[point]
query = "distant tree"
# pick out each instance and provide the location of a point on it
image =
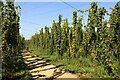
(58, 37)
(79, 32)
(41, 38)
(91, 35)
(73, 47)
(52, 41)
(64, 36)
(46, 37)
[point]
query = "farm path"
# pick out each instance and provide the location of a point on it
(42, 69)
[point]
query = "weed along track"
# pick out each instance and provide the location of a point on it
(37, 45)
(42, 69)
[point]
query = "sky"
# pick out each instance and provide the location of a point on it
(37, 15)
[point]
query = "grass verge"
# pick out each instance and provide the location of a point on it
(82, 66)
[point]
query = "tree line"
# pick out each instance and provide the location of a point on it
(99, 39)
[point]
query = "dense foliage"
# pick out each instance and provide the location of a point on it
(12, 43)
(99, 40)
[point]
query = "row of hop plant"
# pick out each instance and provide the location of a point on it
(101, 45)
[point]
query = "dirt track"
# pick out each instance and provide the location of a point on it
(42, 69)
